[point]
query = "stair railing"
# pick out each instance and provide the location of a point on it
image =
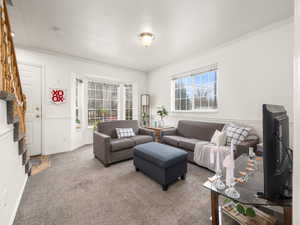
(9, 73)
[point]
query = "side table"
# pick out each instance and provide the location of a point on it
(157, 131)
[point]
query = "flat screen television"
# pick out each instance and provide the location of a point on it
(276, 157)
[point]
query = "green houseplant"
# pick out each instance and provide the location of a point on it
(246, 211)
(145, 118)
(162, 113)
(102, 113)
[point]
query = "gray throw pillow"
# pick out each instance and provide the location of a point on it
(236, 134)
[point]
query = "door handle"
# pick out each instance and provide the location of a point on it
(37, 116)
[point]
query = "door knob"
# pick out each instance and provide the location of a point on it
(37, 108)
(37, 116)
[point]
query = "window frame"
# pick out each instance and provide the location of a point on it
(79, 92)
(121, 97)
(194, 73)
(103, 99)
(125, 108)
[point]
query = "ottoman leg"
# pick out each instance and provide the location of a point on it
(183, 176)
(164, 187)
(137, 169)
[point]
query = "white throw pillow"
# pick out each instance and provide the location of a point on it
(125, 132)
(219, 138)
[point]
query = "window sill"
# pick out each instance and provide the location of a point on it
(196, 111)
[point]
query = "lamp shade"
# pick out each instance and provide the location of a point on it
(145, 100)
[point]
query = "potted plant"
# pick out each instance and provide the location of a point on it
(96, 124)
(102, 113)
(78, 125)
(145, 118)
(244, 210)
(162, 113)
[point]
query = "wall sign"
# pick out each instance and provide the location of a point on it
(57, 95)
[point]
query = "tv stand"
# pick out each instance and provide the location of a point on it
(250, 193)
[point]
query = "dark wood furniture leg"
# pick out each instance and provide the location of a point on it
(164, 187)
(287, 212)
(214, 208)
(183, 176)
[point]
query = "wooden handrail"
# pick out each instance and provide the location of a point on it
(9, 72)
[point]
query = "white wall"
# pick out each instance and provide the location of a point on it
(12, 173)
(296, 170)
(253, 70)
(58, 130)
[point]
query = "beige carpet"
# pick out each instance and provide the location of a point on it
(78, 190)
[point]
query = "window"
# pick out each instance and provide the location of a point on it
(128, 102)
(103, 102)
(78, 100)
(196, 91)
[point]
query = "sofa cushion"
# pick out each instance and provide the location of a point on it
(171, 140)
(189, 143)
(141, 139)
(109, 127)
(121, 144)
(125, 132)
(160, 155)
(197, 129)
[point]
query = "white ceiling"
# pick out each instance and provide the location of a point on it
(107, 30)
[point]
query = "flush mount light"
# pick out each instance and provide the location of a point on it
(146, 38)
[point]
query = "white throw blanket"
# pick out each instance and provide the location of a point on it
(205, 154)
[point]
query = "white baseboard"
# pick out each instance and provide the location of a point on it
(11, 222)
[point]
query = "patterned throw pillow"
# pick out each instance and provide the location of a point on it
(235, 134)
(125, 132)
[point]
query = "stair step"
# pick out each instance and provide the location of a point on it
(6, 96)
(16, 120)
(22, 146)
(17, 135)
(28, 167)
(25, 158)
(16, 131)
(10, 112)
(21, 137)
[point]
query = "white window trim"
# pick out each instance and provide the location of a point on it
(121, 115)
(80, 106)
(191, 73)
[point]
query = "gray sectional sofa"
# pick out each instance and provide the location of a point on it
(109, 149)
(188, 133)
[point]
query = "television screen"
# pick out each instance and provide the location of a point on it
(275, 154)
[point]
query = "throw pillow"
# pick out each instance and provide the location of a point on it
(125, 132)
(219, 138)
(236, 134)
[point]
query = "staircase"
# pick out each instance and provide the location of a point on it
(10, 86)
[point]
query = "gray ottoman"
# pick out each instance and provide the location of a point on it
(162, 163)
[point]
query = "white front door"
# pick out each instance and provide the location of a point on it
(31, 80)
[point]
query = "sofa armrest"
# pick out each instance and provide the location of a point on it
(243, 147)
(145, 131)
(168, 131)
(102, 147)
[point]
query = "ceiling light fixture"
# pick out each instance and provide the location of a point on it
(146, 38)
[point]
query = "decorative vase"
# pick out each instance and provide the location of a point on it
(162, 123)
